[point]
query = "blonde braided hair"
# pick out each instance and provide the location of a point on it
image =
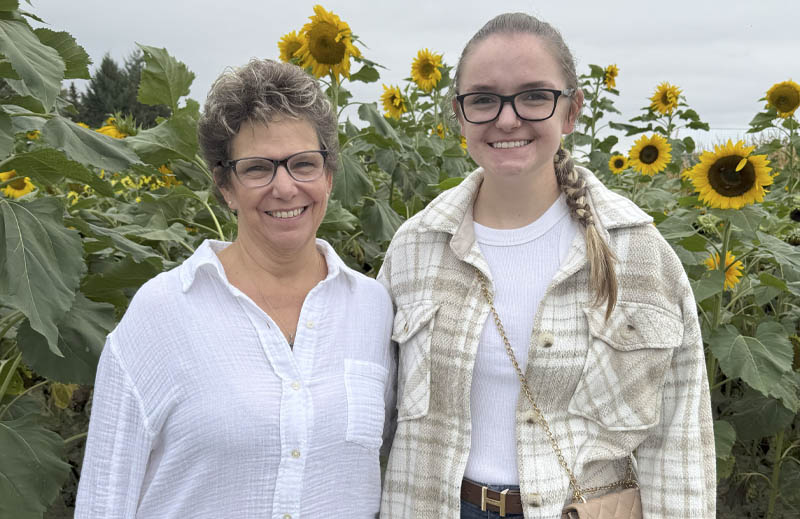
(602, 277)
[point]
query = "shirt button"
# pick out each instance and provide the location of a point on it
(310, 324)
(295, 453)
(295, 385)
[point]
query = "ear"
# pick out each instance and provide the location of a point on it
(574, 110)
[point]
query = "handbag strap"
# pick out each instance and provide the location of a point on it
(577, 491)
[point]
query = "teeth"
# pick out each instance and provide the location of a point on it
(286, 214)
(509, 144)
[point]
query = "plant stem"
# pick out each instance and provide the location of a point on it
(13, 369)
(776, 473)
(10, 404)
(7, 322)
(216, 222)
(77, 437)
(711, 361)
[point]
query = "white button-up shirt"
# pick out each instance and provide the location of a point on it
(201, 409)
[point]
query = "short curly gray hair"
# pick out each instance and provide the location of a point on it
(262, 91)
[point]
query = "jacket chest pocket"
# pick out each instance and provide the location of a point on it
(627, 361)
(412, 331)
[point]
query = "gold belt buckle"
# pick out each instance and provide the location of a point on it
(501, 504)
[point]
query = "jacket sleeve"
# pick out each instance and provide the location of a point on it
(118, 446)
(677, 462)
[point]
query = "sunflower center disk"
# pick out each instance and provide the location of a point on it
(726, 181)
(618, 163)
(18, 184)
(649, 154)
(323, 45)
(786, 99)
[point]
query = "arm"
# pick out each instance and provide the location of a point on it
(118, 445)
(677, 463)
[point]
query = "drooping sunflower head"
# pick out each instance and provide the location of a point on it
(733, 268)
(785, 97)
(327, 46)
(289, 44)
(439, 130)
(610, 79)
(426, 70)
(394, 104)
(650, 154)
(729, 177)
(18, 186)
(618, 163)
(665, 99)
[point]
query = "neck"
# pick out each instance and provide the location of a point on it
(512, 202)
(245, 258)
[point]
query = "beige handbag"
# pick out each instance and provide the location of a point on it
(622, 504)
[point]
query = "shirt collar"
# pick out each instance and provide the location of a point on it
(206, 257)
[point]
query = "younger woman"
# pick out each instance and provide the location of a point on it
(532, 257)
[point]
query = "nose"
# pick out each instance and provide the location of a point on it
(283, 185)
(507, 119)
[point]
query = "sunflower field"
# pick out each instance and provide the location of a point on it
(89, 214)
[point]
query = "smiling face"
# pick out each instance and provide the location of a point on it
(285, 214)
(508, 146)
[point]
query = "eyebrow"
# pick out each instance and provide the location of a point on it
(522, 87)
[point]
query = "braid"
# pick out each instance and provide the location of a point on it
(602, 277)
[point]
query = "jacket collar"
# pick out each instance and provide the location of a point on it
(451, 212)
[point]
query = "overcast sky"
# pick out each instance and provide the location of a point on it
(723, 54)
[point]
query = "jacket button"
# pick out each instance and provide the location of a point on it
(546, 339)
(534, 499)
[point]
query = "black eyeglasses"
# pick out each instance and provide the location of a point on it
(536, 104)
(304, 166)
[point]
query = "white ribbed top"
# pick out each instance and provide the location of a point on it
(523, 261)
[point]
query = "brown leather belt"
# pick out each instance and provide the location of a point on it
(505, 502)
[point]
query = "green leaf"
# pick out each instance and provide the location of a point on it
(724, 438)
(608, 143)
(708, 286)
(790, 482)
(760, 361)
(41, 263)
(771, 281)
(114, 239)
(350, 183)
(337, 218)
(9, 5)
(448, 183)
(87, 146)
(82, 333)
(6, 135)
(783, 253)
(747, 219)
(175, 138)
(49, 166)
(694, 243)
(116, 278)
(756, 416)
(74, 56)
(31, 467)
(379, 221)
(164, 79)
(39, 67)
(688, 144)
(368, 112)
(386, 159)
(367, 74)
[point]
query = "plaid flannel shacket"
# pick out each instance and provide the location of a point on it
(636, 381)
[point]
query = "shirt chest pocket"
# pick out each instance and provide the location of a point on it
(412, 331)
(365, 383)
(627, 361)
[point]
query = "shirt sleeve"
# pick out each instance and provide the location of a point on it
(677, 463)
(118, 446)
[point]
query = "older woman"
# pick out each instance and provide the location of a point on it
(255, 379)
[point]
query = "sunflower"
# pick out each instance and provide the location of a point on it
(168, 178)
(327, 45)
(618, 163)
(111, 129)
(393, 102)
(733, 268)
(425, 70)
(439, 130)
(665, 100)
(463, 143)
(288, 45)
(16, 188)
(650, 155)
(729, 177)
(610, 78)
(785, 97)
(33, 135)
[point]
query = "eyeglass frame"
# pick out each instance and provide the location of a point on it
(231, 163)
(567, 92)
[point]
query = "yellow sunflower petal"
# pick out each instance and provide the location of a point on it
(650, 154)
(618, 163)
(426, 70)
(327, 46)
(394, 104)
(289, 44)
(665, 99)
